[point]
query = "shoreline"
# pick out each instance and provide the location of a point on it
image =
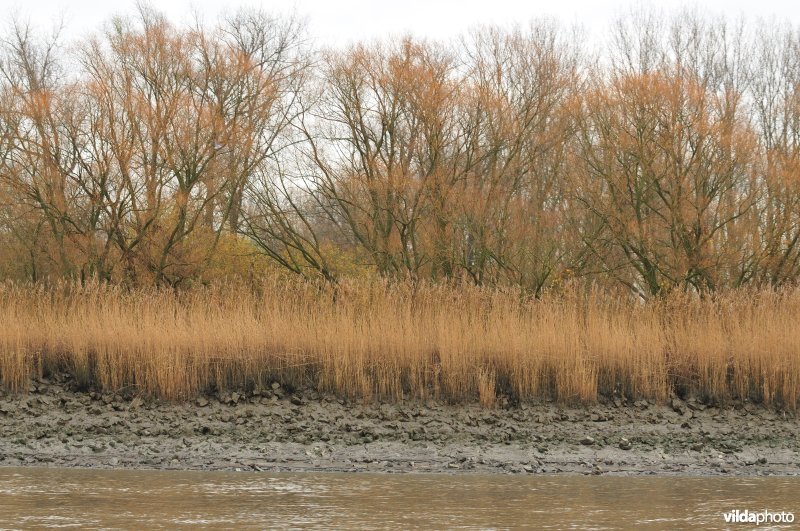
(281, 431)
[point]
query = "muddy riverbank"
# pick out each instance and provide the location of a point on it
(277, 430)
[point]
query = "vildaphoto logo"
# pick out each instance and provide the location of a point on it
(762, 517)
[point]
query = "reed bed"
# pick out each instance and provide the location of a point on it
(384, 341)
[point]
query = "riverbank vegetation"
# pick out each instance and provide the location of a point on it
(150, 154)
(511, 213)
(385, 340)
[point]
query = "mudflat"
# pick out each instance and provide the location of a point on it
(277, 429)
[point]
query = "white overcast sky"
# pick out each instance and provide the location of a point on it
(337, 22)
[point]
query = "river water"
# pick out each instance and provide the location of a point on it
(64, 498)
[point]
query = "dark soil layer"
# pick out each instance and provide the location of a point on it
(276, 430)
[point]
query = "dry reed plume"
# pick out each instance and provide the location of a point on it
(377, 340)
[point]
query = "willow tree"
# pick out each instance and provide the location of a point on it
(665, 163)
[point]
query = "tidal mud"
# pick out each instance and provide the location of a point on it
(276, 429)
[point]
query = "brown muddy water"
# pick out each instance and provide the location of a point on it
(84, 498)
